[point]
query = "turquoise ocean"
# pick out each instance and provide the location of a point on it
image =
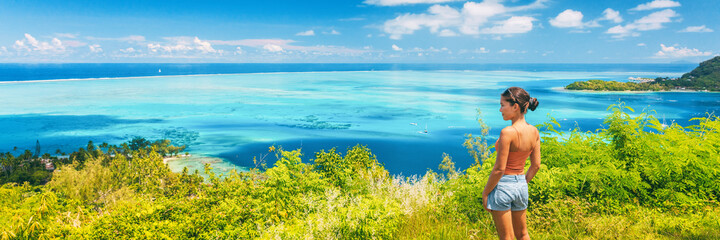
(229, 113)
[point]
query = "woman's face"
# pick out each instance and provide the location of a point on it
(507, 109)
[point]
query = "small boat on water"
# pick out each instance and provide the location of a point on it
(159, 70)
(424, 131)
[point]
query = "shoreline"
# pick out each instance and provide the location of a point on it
(561, 89)
(178, 157)
(196, 162)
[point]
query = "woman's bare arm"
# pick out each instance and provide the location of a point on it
(503, 150)
(534, 161)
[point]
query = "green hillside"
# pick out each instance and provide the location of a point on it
(705, 77)
(635, 178)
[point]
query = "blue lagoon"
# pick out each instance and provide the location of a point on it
(227, 119)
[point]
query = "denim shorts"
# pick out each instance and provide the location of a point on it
(511, 193)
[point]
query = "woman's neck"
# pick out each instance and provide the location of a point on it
(519, 119)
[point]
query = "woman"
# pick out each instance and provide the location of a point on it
(506, 193)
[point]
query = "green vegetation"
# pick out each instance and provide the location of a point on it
(22, 168)
(705, 77)
(633, 179)
(601, 85)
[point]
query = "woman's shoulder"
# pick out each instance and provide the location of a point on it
(508, 131)
(534, 130)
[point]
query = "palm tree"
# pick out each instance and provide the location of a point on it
(5, 162)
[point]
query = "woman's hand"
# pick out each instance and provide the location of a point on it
(485, 200)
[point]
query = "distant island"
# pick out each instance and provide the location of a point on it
(705, 77)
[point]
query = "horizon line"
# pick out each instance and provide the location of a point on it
(449, 63)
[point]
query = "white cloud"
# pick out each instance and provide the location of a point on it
(131, 38)
(396, 48)
(679, 52)
(481, 50)
(535, 5)
(128, 50)
(239, 51)
(656, 4)
(431, 49)
(702, 28)
(258, 43)
(152, 47)
(403, 2)
(440, 16)
(30, 44)
(653, 21)
(287, 44)
(19, 44)
(512, 26)
(203, 46)
(573, 19)
(447, 33)
(95, 48)
(621, 32)
(507, 51)
(568, 19)
(66, 35)
(333, 32)
(467, 20)
(273, 48)
(184, 45)
(477, 14)
(641, 44)
(306, 33)
(137, 53)
(612, 15)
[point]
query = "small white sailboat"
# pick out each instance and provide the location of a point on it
(424, 131)
(159, 70)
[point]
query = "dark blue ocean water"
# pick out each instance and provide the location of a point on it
(23, 72)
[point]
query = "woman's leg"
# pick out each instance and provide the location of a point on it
(503, 223)
(519, 225)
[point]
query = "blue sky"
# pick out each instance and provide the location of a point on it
(404, 31)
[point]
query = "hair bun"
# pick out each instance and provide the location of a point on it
(533, 104)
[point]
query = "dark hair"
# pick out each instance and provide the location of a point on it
(518, 95)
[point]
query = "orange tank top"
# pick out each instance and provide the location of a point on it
(516, 160)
